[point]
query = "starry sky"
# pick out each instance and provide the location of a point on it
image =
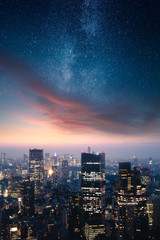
(83, 72)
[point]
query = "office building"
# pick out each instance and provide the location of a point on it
(93, 193)
(145, 176)
(75, 215)
(94, 231)
(14, 186)
(129, 201)
(47, 161)
(156, 216)
(27, 193)
(55, 160)
(54, 177)
(36, 170)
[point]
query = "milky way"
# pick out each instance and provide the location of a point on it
(101, 57)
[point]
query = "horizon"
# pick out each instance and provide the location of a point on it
(112, 151)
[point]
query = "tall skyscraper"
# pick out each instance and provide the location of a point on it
(93, 193)
(129, 201)
(54, 177)
(27, 192)
(36, 170)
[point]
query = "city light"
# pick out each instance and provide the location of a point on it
(14, 229)
(50, 172)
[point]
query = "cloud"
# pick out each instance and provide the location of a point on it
(76, 115)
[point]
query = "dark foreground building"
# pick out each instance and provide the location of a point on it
(36, 170)
(93, 193)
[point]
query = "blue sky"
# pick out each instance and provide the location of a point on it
(79, 72)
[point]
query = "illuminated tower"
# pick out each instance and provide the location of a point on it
(129, 202)
(54, 177)
(93, 193)
(36, 170)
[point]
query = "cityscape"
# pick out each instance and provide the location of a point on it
(79, 119)
(44, 196)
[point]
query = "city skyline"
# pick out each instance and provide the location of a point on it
(113, 151)
(61, 197)
(78, 74)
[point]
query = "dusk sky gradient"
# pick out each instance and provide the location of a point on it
(80, 73)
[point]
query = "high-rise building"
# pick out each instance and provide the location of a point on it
(129, 201)
(36, 170)
(156, 214)
(4, 225)
(64, 171)
(145, 176)
(47, 160)
(1, 172)
(14, 186)
(27, 193)
(75, 216)
(54, 177)
(54, 159)
(93, 193)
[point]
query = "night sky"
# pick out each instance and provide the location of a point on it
(79, 73)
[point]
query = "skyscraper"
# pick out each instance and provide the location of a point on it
(93, 193)
(54, 177)
(54, 158)
(75, 215)
(27, 191)
(129, 201)
(36, 170)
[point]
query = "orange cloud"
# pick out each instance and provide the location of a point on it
(70, 114)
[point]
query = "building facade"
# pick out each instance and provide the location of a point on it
(27, 193)
(93, 193)
(130, 203)
(36, 170)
